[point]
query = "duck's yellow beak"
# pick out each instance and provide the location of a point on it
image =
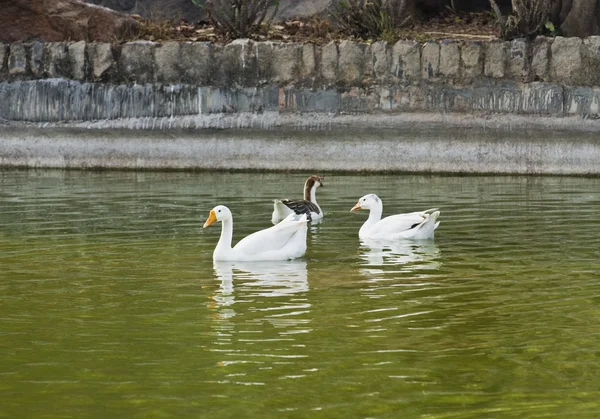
(212, 218)
(356, 207)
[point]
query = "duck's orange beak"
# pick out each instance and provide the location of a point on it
(212, 218)
(356, 207)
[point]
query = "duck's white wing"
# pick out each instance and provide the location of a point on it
(274, 238)
(400, 222)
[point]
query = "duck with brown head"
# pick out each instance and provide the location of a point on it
(309, 206)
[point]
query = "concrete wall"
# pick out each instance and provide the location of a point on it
(466, 107)
(77, 81)
(439, 148)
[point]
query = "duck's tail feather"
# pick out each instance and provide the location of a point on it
(280, 211)
(425, 230)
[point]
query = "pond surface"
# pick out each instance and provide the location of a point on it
(110, 305)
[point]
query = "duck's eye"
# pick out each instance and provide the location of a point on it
(219, 211)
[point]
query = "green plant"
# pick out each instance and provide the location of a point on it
(240, 18)
(369, 19)
(528, 18)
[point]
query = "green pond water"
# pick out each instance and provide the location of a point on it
(110, 305)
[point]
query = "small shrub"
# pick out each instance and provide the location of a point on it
(528, 18)
(370, 19)
(240, 18)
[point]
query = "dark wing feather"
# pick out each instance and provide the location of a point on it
(301, 206)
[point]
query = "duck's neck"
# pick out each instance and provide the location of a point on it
(310, 192)
(374, 216)
(224, 244)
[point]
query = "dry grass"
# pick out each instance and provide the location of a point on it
(320, 31)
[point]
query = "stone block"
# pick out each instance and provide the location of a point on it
(3, 57)
(406, 60)
(329, 62)
(17, 59)
(471, 59)
(36, 58)
(518, 63)
(76, 52)
(381, 59)
(449, 59)
(308, 61)
(167, 63)
(566, 62)
(495, 59)
(56, 61)
(136, 62)
(540, 58)
(591, 54)
(278, 62)
(100, 59)
(351, 62)
(198, 65)
(265, 61)
(286, 62)
(237, 63)
(430, 60)
(183, 62)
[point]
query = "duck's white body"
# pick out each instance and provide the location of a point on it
(282, 208)
(286, 240)
(418, 225)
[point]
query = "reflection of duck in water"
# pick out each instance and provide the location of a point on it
(412, 255)
(267, 279)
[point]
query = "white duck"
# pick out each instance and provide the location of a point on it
(309, 206)
(414, 225)
(286, 240)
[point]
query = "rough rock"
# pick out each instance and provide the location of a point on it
(495, 59)
(136, 61)
(430, 60)
(77, 59)
(277, 62)
(166, 60)
(17, 59)
(518, 63)
(56, 60)
(449, 59)
(381, 59)
(3, 56)
(183, 62)
(592, 60)
(329, 62)
(36, 62)
(197, 63)
(309, 62)
(286, 62)
(471, 57)
(100, 59)
(540, 58)
(62, 20)
(351, 62)
(238, 64)
(566, 63)
(406, 60)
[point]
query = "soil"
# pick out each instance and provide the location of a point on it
(470, 26)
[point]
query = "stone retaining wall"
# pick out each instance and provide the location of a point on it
(50, 82)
